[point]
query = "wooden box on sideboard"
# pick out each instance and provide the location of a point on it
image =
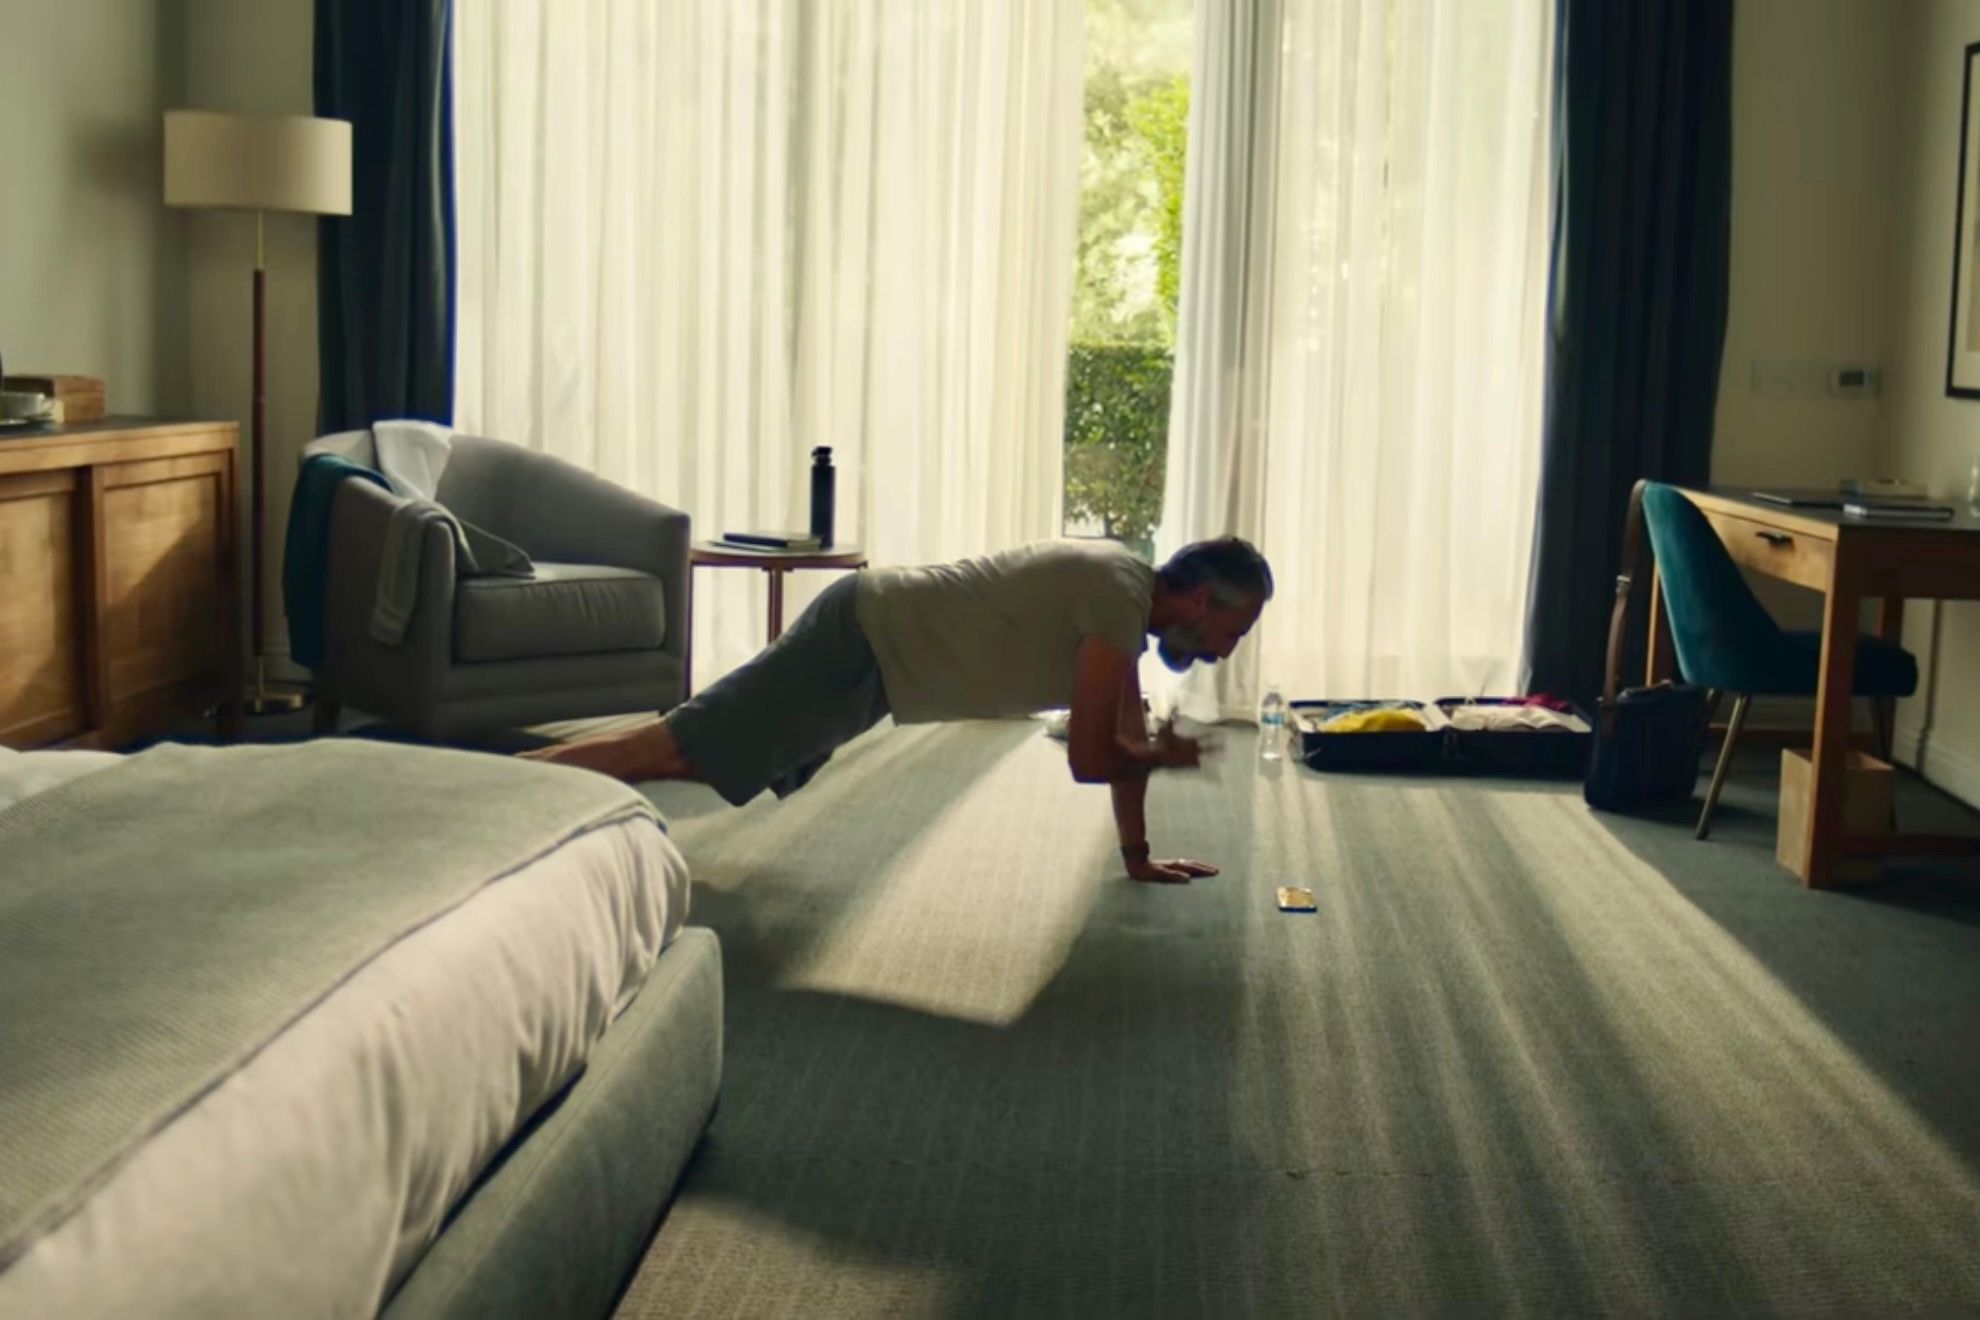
(77, 398)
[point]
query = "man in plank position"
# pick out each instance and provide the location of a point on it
(1045, 626)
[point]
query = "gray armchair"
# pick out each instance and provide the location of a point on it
(601, 628)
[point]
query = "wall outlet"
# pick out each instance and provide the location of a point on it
(1776, 379)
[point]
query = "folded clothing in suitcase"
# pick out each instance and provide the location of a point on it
(1371, 735)
(1518, 736)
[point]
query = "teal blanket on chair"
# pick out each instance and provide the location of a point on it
(306, 551)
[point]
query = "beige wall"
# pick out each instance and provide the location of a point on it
(1816, 91)
(1815, 104)
(1931, 437)
(96, 275)
(254, 56)
(92, 273)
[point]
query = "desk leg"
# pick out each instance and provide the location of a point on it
(1832, 732)
(776, 603)
(1890, 627)
(1661, 662)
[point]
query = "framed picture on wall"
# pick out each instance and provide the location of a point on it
(1963, 338)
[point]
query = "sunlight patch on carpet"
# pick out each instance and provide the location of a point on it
(1019, 856)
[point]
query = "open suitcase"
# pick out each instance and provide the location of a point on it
(1444, 745)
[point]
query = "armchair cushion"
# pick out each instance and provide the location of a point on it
(565, 609)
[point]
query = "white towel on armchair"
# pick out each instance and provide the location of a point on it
(412, 455)
(409, 454)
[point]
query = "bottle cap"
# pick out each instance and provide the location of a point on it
(823, 453)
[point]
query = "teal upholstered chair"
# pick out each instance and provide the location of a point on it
(1726, 640)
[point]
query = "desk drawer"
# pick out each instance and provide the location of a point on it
(1792, 556)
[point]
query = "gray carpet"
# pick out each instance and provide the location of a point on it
(1523, 1059)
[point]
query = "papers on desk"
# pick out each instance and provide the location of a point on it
(1801, 499)
(1845, 492)
(1896, 511)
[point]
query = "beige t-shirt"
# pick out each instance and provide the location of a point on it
(997, 636)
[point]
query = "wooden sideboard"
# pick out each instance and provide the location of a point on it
(119, 604)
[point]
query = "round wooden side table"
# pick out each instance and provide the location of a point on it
(713, 554)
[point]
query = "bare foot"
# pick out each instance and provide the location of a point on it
(646, 752)
(602, 752)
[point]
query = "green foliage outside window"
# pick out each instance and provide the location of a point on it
(1117, 437)
(1160, 118)
(1128, 271)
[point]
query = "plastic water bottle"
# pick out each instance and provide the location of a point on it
(1271, 724)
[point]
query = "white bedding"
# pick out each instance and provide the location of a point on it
(23, 774)
(308, 1183)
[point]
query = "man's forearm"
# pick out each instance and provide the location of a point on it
(1134, 758)
(1130, 814)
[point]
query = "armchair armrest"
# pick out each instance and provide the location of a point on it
(394, 681)
(559, 512)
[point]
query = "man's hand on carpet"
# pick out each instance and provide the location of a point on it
(1174, 871)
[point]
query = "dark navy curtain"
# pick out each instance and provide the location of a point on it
(1637, 301)
(385, 273)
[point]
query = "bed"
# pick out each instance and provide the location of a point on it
(484, 1113)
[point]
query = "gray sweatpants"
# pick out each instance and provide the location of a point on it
(772, 723)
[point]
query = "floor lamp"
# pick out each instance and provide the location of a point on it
(258, 163)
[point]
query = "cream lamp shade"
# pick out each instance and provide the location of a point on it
(257, 162)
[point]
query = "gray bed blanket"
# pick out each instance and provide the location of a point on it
(163, 919)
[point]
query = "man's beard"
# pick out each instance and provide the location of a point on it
(1181, 647)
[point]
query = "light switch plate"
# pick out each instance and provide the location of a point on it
(1775, 378)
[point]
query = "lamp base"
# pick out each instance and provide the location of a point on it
(260, 699)
(255, 702)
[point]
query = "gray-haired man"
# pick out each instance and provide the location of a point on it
(1046, 626)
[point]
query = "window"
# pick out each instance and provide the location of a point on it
(1128, 267)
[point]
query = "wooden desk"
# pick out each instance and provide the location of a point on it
(1848, 560)
(712, 554)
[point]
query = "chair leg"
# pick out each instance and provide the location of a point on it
(1725, 762)
(1883, 712)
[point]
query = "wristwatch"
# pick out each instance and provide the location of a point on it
(1134, 852)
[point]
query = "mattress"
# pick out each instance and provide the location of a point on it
(312, 1179)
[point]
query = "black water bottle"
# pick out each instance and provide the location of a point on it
(823, 479)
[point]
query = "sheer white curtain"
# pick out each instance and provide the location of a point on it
(699, 238)
(1360, 347)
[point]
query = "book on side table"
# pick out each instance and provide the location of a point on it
(770, 540)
